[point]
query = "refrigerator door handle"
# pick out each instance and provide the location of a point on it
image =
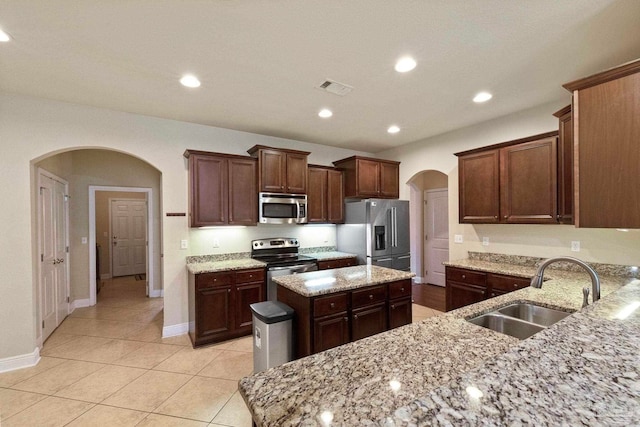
(394, 217)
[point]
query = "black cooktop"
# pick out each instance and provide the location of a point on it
(284, 261)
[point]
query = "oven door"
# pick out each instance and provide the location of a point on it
(282, 208)
(272, 287)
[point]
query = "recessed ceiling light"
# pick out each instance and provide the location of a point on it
(393, 129)
(189, 80)
(4, 37)
(325, 113)
(482, 97)
(404, 64)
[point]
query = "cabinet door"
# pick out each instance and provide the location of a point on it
(208, 175)
(296, 173)
(400, 312)
(317, 195)
(335, 197)
(460, 294)
(243, 197)
(247, 294)
(272, 171)
(528, 182)
(213, 312)
(389, 180)
(368, 321)
(565, 169)
(368, 178)
(330, 331)
(479, 187)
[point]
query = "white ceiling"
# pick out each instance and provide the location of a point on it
(260, 60)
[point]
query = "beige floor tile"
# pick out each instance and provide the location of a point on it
(148, 355)
(50, 412)
(8, 379)
(234, 413)
(100, 416)
(157, 420)
(14, 401)
(141, 316)
(151, 332)
(189, 360)
(101, 384)
(182, 340)
(230, 365)
(199, 399)
(111, 351)
(239, 344)
(148, 391)
(56, 339)
(59, 377)
(76, 348)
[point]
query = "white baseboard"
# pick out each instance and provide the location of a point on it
(417, 280)
(79, 303)
(174, 330)
(156, 293)
(105, 276)
(18, 362)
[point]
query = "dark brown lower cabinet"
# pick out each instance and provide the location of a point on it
(219, 304)
(465, 287)
(337, 263)
(326, 321)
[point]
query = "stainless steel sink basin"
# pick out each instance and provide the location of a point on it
(534, 313)
(507, 325)
(520, 320)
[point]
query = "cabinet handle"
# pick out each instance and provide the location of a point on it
(332, 305)
(355, 316)
(464, 276)
(515, 285)
(401, 289)
(229, 290)
(505, 217)
(393, 306)
(495, 217)
(370, 296)
(346, 319)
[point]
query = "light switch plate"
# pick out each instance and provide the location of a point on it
(485, 241)
(575, 245)
(216, 243)
(184, 244)
(457, 238)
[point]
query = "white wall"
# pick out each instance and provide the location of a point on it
(598, 245)
(32, 129)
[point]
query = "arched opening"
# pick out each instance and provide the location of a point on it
(96, 176)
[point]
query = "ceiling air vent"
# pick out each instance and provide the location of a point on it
(335, 88)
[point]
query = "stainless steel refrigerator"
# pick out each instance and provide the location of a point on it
(377, 230)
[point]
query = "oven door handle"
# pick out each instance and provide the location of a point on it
(292, 267)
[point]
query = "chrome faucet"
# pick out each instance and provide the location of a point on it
(536, 281)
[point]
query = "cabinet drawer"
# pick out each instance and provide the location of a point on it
(247, 276)
(466, 276)
(400, 289)
(368, 296)
(208, 280)
(331, 304)
(507, 283)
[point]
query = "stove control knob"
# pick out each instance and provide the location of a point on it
(261, 243)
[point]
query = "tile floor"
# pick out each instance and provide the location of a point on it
(108, 365)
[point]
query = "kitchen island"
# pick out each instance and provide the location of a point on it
(337, 306)
(444, 370)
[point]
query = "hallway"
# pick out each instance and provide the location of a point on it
(108, 365)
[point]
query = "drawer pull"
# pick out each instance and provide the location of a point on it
(229, 290)
(515, 285)
(355, 316)
(393, 306)
(250, 276)
(346, 319)
(370, 296)
(464, 276)
(401, 289)
(332, 305)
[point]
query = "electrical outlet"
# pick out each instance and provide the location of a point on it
(184, 244)
(216, 243)
(575, 245)
(83, 240)
(457, 238)
(485, 241)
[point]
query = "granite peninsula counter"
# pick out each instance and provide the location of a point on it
(583, 370)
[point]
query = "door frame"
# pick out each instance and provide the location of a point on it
(424, 228)
(114, 199)
(40, 173)
(92, 237)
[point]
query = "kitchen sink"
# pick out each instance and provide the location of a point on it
(534, 313)
(519, 320)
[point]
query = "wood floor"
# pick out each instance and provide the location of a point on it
(429, 296)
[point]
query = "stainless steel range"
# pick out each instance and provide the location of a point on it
(282, 258)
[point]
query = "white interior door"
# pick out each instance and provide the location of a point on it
(436, 226)
(129, 237)
(53, 241)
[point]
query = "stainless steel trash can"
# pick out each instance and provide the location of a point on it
(272, 334)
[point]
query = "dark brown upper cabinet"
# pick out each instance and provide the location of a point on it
(565, 165)
(325, 195)
(367, 177)
(281, 170)
(222, 189)
(606, 128)
(513, 182)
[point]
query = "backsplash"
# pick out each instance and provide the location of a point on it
(527, 261)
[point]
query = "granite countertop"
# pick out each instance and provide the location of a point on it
(329, 255)
(583, 370)
(339, 279)
(223, 265)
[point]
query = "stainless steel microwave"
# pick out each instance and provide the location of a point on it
(277, 208)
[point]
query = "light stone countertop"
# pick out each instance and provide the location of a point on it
(322, 282)
(584, 370)
(223, 265)
(329, 255)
